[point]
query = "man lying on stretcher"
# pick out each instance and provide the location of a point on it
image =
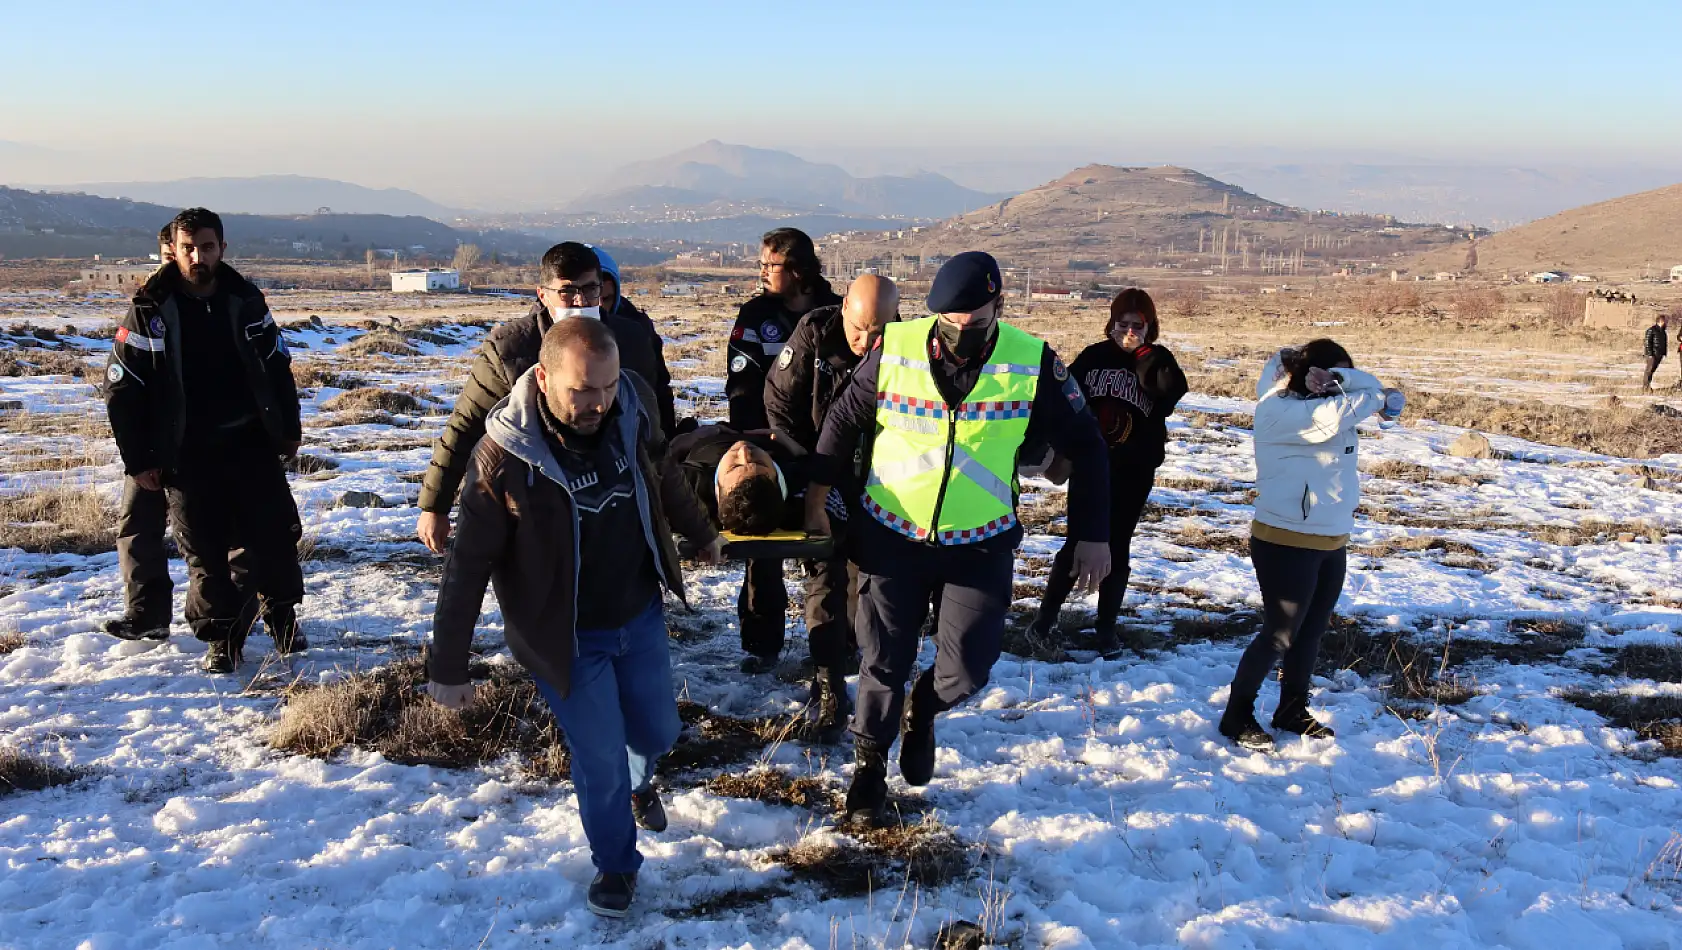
(753, 484)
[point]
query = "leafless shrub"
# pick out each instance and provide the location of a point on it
(1478, 305)
(22, 772)
(12, 641)
(1184, 300)
(65, 519)
(1564, 306)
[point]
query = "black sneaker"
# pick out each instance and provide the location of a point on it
(916, 741)
(220, 658)
(867, 797)
(282, 624)
(754, 664)
(648, 810)
(1105, 641)
(611, 894)
(1243, 729)
(134, 628)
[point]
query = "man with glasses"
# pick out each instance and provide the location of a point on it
(569, 287)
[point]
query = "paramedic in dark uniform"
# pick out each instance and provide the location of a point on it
(948, 403)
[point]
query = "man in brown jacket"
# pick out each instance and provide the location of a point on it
(565, 511)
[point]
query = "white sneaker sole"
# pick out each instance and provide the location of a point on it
(606, 911)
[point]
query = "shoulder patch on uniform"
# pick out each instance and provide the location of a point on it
(786, 358)
(739, 363)
(1058, 369)
(114, 372)
(770, 332)
(157, 326)
(1072, 393)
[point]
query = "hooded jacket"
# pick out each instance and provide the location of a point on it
(503, 358)
(144, 394)
(519, 532)
(1307, 479)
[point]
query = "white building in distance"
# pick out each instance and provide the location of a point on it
(424, 280)
(1676, 274)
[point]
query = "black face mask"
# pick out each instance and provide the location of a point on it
(964, 342)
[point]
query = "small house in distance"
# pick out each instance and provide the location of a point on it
(1676, 274)
(117, 278)
(424, 280)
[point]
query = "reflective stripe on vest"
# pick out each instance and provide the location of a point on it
(911, 487)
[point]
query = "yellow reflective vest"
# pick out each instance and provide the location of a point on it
(947, 474)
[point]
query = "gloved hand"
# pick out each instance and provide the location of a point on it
(451, 697)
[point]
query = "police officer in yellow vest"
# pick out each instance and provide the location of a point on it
(944, 405)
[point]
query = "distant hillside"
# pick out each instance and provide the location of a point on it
(36, 224)
(718, 172)
(1621, 238)
(1103, 216)
(270, 194)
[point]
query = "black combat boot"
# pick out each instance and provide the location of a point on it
(916, 741)
(281, 621)
(829, 688)
(867, 797)
(1293, 716)
(138, 628)
(1239, 724)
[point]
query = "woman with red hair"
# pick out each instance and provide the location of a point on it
(1132, 385)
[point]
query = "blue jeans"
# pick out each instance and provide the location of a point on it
(619, 719)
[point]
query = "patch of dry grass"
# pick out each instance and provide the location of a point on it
(22, 772)
(926, 854)
(56, 520)
(1650, 717)
(309, 374)
(12, 641)
(379, 343)
(33, 361)
(1413, 672)
(1608, 428)
(374, 399)
(776, 787)
(1648, 661)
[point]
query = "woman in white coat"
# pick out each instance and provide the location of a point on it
(1307, 487)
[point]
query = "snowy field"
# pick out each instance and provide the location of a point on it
(1471, 798)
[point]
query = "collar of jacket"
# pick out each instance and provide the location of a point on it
(167, 280)
(516, 423)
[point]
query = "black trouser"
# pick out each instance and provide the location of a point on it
(235, 494)
(1652, 367)
(147, 588)
(763, 605)
(1130, 489)
(1299, 589)
(892, 608)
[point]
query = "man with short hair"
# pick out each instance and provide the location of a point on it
(947, 405)
(754, 483)
(569, 287)
(1656, 344)
(203, 406)
(565, 511)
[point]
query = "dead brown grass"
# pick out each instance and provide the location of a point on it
(375, 399)
(1649, 661)
(308, 374)
(22, 772)
(379, 343)
(12, 641)
(1658, 718)
(1609, 429)
(388, 711)
(926, 854)
(1413, 672)
(33, 361)
(57, 520)
(776, 787)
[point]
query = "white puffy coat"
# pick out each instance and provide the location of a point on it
(1307, 449)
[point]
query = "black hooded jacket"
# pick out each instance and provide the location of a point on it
(145, 396)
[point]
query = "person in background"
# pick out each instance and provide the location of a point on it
(569, 509)
(1132, 384)
(615, 307)
(203, 406)
(791, 285)
(142, 516)
(569, 286)
(1307, 488)
(1656, 345)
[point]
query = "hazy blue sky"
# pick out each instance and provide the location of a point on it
(480, 102)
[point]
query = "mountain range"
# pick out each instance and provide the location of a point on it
(270, 194)
(719, 175)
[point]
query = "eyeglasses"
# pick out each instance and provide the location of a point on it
(771, 265)
(578, 291)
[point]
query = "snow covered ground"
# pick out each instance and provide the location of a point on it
(1098, 805)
